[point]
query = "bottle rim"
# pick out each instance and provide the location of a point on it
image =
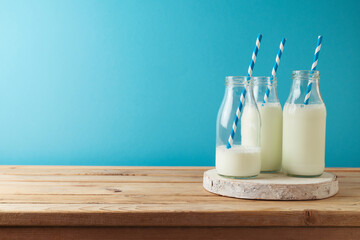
(241, 80)
(312, 75)
(263, 80)
(235, 80)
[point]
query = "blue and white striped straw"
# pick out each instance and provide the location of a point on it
(273, 73)
(243, 93)
(313, 68)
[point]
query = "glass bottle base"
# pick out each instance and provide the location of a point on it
(236, 177)
(275, 171)
(303, 176)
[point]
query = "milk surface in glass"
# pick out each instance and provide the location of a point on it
(304, 139)
(238, 161)
(242, 161)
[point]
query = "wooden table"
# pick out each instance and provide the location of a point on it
(61, 202)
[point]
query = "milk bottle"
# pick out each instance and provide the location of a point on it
(242, 160)
(304, 128)
(271, 123)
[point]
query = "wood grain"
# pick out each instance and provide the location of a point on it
(177, 233)
(153, 197)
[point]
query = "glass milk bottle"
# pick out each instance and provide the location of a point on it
(304, 128)
(271, 123)
(242, 159)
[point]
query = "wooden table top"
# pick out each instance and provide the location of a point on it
(83, 196)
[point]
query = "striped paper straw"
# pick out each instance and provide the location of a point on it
(313, 68)
(243, 93)
(273, 73)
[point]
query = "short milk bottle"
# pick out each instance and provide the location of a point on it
(238, 132)
(271, 122)
(304, 125)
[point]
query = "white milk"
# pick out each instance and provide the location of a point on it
(271, 136)
(250, 123)
(304, 139)
(238, 161)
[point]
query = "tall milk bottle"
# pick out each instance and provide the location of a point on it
(238, 156)
(271, 123)
(304, 128)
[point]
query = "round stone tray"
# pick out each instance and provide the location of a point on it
(272, 186)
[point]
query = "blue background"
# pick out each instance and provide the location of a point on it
(140, 82)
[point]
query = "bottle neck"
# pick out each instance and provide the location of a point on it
(265, 86)
(235, 86)
(305, 82)
(306, 75)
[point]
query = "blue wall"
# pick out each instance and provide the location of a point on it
(140, 82)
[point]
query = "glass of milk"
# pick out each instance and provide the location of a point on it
(242, 160)
(304, 127)
(271, 123)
